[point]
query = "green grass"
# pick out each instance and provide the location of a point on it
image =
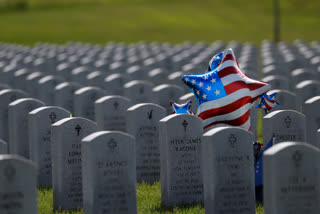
(100, 21)
(148, 201)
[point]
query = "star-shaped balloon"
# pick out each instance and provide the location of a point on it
(225, 95)
(268, 101)
(215, 61)
(184, 108)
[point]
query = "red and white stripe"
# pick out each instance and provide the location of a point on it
(233, 109)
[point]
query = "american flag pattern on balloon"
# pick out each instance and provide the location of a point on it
(184, 108)
(268, 101)
(225, 95)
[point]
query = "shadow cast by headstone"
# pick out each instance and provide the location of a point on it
(164, 208)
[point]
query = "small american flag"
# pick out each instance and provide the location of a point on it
(225, 95)
(258, 167)
(268, 101)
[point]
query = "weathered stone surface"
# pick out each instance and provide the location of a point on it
(143, 124)
(18, 125)
(39, 133)
(6, 97)
(311, 111)
(291, 179)
(180, 159)
(18, 185)
(3, 147)
(139, 91)
(111, 113)
(63, 95)
(109, 173)
(66, 136)
(228, 171)
(284, 125)
(167, 93)
(83, 101)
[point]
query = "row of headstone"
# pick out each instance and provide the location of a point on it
(292, 68)
(83, 171)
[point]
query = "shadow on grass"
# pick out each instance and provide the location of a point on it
(164, 208)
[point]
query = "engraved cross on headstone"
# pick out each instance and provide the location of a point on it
(232, 140)
(287, 121)
(112, 144)
(297, 157)
(78, 129)
(185, 124)
(53, 117)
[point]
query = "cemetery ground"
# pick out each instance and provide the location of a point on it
(98, 21)
(148, 201)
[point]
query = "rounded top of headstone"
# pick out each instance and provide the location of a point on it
(312, 100)
(49, 78)
(137, 82)
(18, 101)
(281, 91)
(5, 91)
(177, 116)
(9, 157)
(274, 113)
(141, 105)
(175, 75)
(155, 72)
(99, 134)
(165, 86)
(79, 70)
(48, 108)
(34, 75)
(86, 89)
(66, 84)
(68, 120)
(112, 97)
(21, 72)
(218, 129)
(94, 74)
(306, 83)
(298, 71)
(62, 66)
(272, 77)
(186, 96)
(133, 69)
(287, 145)
(113, 76)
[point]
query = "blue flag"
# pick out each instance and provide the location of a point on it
(258, 168)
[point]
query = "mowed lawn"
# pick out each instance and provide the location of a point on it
(100, 21)
(148, 201)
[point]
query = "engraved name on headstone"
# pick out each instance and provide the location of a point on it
(66, 136)
(143, 124)
(180, 159)
(284, 125)
(39, 125)
(111, 113)
(291, 179)
(228, 171)
(109, 173)
(18, 185)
